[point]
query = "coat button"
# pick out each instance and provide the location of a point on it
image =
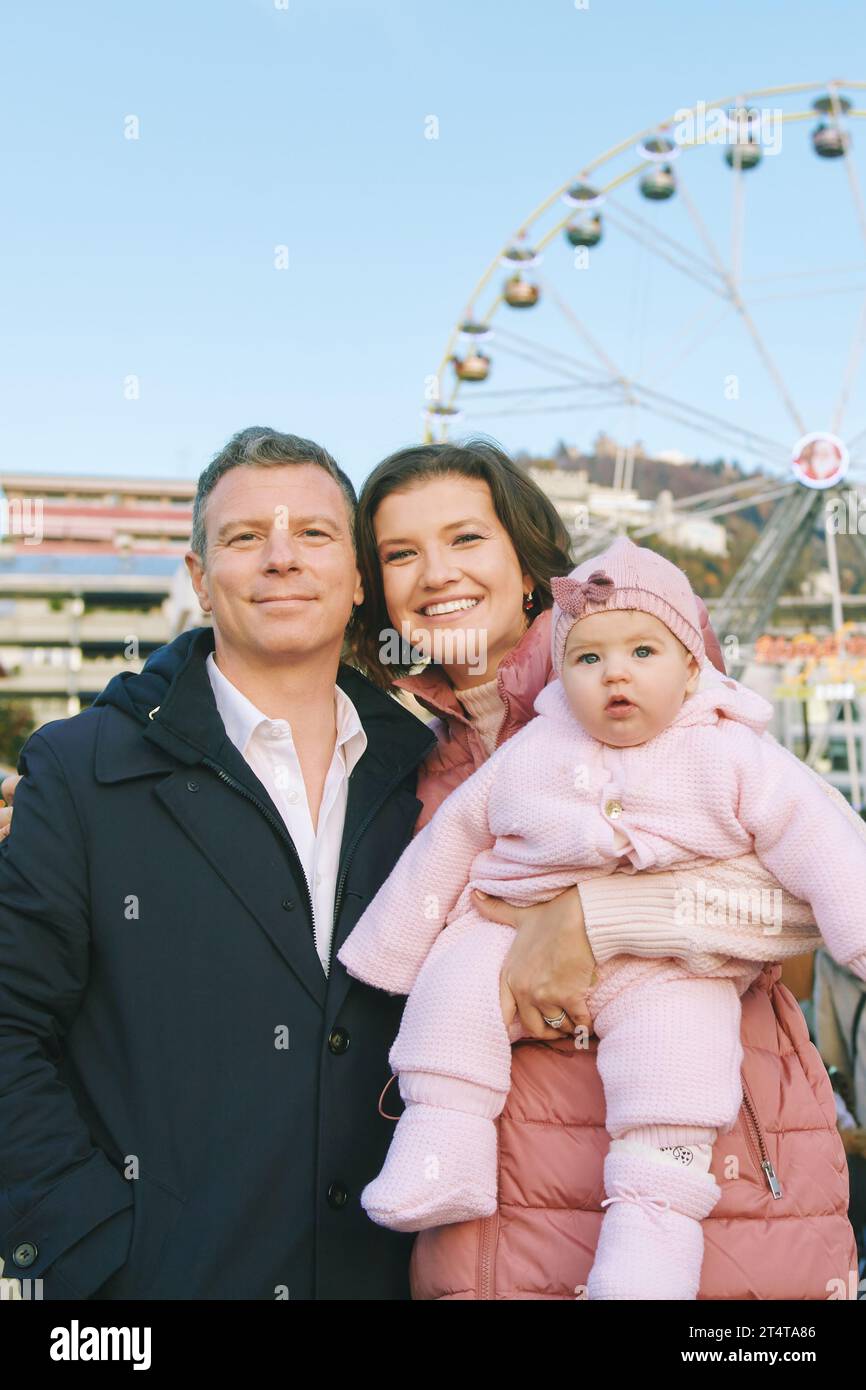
(338, 1041)
(287, 904)
(337, 1196)
(24, 1255)
(192, 786)
(613, 809)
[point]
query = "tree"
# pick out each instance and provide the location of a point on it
(16, 726)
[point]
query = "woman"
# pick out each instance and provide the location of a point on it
(456, 548)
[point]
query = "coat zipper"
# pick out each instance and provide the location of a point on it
(489, 1226)
(278, 826)
(765, 1164)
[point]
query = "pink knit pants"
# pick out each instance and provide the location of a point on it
(669, 1056)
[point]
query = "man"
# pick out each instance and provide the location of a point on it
(188, 1077)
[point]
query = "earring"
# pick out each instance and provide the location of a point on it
(528, 601)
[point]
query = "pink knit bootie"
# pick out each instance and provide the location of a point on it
(441, 1166)
(651, 1244)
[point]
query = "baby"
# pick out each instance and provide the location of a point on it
(641, 757)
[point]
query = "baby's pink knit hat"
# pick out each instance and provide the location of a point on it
(626, 576)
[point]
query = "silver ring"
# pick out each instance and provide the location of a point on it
(554, 1022)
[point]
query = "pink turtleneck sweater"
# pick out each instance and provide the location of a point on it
(483, 704)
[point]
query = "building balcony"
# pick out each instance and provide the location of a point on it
(47, 629)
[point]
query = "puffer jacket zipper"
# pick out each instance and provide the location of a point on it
(763, 1156)
(486, 1246)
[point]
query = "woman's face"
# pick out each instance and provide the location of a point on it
(451, 575)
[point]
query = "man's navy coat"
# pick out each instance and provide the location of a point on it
(188, 1105)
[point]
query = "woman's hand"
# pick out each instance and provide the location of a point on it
(7, 792)
(550, 966)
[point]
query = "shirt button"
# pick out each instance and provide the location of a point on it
(613, 809)
(24, 1255)
(337, 1196)
(318, 879)
(338, 1041)
(292, 797)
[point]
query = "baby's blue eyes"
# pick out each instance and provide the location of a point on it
(590, 658)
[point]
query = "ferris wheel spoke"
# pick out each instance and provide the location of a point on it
(805, 274)
(503, 335)
(683, 267)
(537, 391)
(854, 354)
(856, 440)
(741, 504)
(583, 332)
(689, 343)
(760, 345)
(681, 256)
(853, 177)
(539, 360)
(724, 434)
(738, 220)
(569, 409)
(637, 392)
(554, 361)
(808, 294)
(856, 348)
(633, 387)
(773, 496)
(659, 400)
(746, 486)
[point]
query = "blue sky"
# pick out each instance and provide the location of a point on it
(261, 126)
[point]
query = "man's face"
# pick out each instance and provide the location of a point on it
(279, 576)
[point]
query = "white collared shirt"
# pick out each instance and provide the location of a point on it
(267, 745)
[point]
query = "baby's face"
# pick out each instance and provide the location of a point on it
(626, 676)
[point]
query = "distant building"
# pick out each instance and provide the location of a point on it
(100, 514)
(92, 580)
(673, 456)
(580, 501)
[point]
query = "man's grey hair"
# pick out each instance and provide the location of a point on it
(261, 447)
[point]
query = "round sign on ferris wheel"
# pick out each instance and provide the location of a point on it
(819, 460)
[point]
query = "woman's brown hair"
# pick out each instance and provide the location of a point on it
(536, 529)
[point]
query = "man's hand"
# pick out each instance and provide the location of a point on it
(7, 793)
(550, 966)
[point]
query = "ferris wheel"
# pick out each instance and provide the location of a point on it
(686, 275)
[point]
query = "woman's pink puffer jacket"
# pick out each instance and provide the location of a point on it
(552, 1141)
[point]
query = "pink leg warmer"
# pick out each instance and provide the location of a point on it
(453, 1057)
(669, 1056)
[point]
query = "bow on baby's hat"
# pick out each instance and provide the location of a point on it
(573, 595)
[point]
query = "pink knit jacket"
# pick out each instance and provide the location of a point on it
(536, 817)
(552, 1139)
